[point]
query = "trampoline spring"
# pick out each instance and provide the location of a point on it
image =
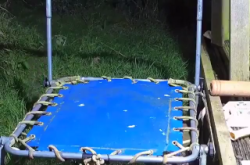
(87, 161)
(50, 95)
(39, 113)
(48, 113)
(31, 137)
(31, 122)
(65, 87)
(83, 81)
(56, 152)
(73, 82)
(24, 134)
(31, 150)
(107, 78)
(175, 85)
(23, 142)
(187, 129)
(186, 99)
(185, 108)
(187, 118)
(95, 159)
(84, 149)
(133, 160)
(178, 144)
(57, 87)
(185, 142)
(46, 103)
(62, 83)
(183, 88)
(131, 78)
(153, 80)
(174, 82)
(117, 152)
(78, 81)
(166, 156)
(185, 92)
(70, 80)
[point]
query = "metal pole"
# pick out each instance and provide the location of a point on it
(2, 152)
(203, 155)
(49, 38)
(198, 42)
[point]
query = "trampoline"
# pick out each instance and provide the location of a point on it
(105, 119)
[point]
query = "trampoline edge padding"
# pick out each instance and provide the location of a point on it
(126, 157)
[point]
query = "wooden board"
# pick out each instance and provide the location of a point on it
(239, 40)
(223, 143)
(219, 22)
(226, 51)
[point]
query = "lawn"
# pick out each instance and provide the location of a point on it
(101, 42)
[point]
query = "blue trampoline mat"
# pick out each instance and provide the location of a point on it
(108, 116)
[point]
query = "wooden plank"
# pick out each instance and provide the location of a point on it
(239, 40)
(219, 22)
(226, 51)
(223, 143)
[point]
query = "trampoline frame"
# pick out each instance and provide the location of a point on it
(198, 151)
(9, 141)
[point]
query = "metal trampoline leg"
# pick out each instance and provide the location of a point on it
(49, 38)
(2, 151)
(203, 154)
(198, 41)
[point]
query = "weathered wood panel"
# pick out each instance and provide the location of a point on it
(239, 40)
(219, 21)
(221, 136)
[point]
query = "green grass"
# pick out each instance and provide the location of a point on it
(92, 46)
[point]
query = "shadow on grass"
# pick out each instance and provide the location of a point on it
(32, 52)
(25, 88)
(24, 94)
(105, 55)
